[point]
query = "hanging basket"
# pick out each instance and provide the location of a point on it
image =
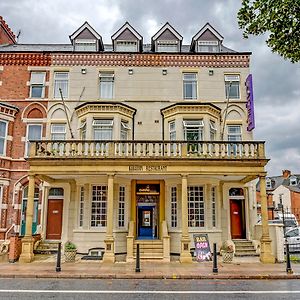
(70, 255)
(227, 256)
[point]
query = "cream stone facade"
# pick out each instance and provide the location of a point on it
(147, 148)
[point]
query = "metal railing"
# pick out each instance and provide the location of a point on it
(147, 149)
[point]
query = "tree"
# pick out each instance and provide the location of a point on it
(280, 19)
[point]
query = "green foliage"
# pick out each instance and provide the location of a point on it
(70, 246)
(278, 18)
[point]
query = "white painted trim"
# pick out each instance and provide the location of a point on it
(211, 29)
(85, 25)
(162, 29)
(130, 28)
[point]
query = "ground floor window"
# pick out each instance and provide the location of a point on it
(121, 220)
(99, 206)
(195, 206)
(81, 206)
(174, 207)
(213, 205)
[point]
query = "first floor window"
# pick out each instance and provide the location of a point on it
(37, 84)
(172, 130)
(174, 207)
(193, 130)
(234, 133)
(82, 129)
(34, 133)
(121, 218)
(3, 136)
(99, 206)
(61, 82)
(106, 85)
(124, 130)
(58, 132)
(212, 130)
(189, 85)
(103, 129)
(232, 86)
(195, 206)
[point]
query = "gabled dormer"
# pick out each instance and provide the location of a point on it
(207, 39)
(127, 39)
(167, 39)
(86, 39)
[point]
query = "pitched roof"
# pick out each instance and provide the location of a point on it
(165, 27)
(130, 28)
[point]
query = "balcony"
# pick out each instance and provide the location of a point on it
(155, 150)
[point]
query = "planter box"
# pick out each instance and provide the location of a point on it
(70, 255)
(227, 256)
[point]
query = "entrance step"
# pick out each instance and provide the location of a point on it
(149, 249)
(46, 247)
(244, 248)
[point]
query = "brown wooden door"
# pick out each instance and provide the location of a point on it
(237, 219)
(54, 219)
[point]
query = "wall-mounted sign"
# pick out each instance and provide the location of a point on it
(250, 103)
(139, 168)
(202, 247)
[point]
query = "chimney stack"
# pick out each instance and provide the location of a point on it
(286, 173)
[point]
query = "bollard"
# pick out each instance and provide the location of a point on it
(215, 263)
(58, 259)
(137, 265)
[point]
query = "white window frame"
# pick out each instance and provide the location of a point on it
(124, 132)
(99, 211)
(81, 207)
(64, 132)
(208, 46)
(27, 143)
(85, 45)
(234, 137)
(82, 129)
(37, 83)
(232, 82)
(212, 130)
(193, 125)
(121, 207)
(293, 181)
(4, 138)
(193, 82)
(103, 124)
(167, 46)
(172, 130)
(196, 206)
(174, 207)
(1, 201)
(58, 82)
(126, 46)
(106, 85)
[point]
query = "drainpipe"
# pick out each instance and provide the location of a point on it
(163, 126)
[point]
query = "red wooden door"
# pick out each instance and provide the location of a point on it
(237, 219)
(54, 219)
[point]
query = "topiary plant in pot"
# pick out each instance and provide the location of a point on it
(70, 251)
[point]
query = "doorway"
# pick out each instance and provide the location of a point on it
(54, 219)
(146, 224)
(237, 213)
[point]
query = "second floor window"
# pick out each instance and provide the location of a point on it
(103, 129)
(34, 133)
(37, 85)
(172, 130)
(3, 136)
(106, 85)
(193, 130)
(232, 86)
(58, 132)
(189, 86)
(61, 82)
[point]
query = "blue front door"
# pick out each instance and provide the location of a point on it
(146, 229)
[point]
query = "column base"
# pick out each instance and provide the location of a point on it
(27, 255)
(185, 254)
(266, 256)
(109, 255)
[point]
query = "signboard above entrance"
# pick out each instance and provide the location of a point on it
(140, 168)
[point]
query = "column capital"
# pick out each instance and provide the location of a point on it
(184, 176)
(111, 175)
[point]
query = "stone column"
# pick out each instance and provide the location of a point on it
(266, 255)
(109, 255)
(185, 255)
(28, 241)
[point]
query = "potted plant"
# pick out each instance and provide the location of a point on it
(70, 251)
(227, 251)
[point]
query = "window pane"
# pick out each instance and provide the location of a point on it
(37, 78)
(189, 86)
(232, 86)
(3, 126)
(37, 91)
(106, 85)
(60, 82)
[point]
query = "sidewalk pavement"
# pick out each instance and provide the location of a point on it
(240, 268)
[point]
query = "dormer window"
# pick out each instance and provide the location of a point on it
(126, 46)
(293, 181)
(85, 45)
(208, 46)
(268, 183)
(167, 46)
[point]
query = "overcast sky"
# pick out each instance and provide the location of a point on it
(276, 81)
